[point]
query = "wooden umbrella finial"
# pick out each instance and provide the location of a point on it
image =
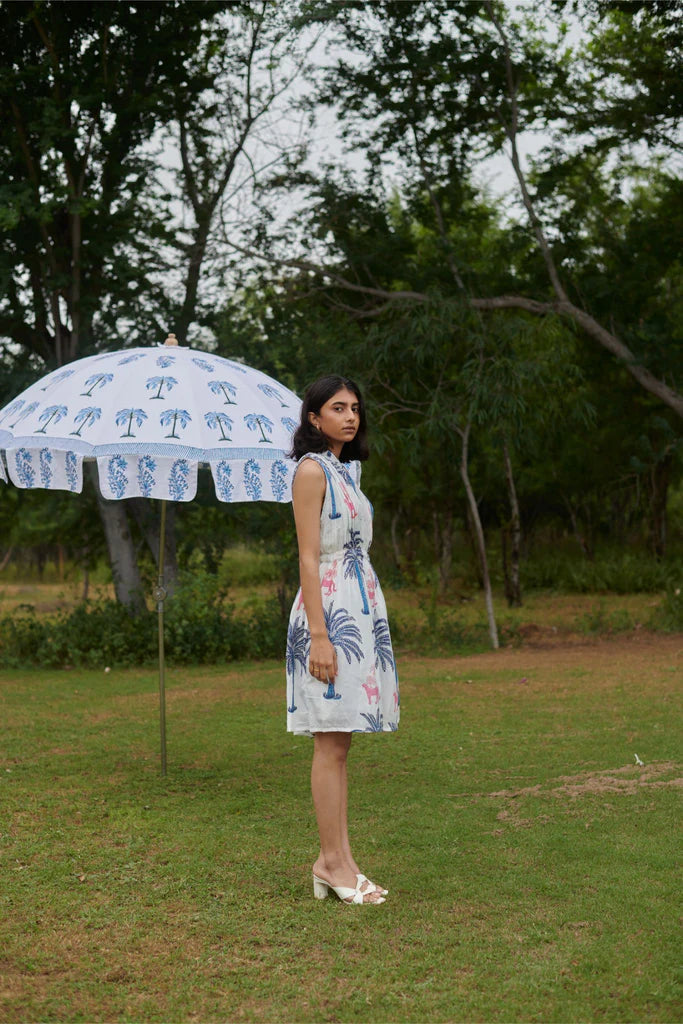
(171, 340)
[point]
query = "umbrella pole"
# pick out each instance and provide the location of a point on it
(160, 596)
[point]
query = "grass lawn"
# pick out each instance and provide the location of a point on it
(530, 861)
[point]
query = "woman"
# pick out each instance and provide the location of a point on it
(341, 675)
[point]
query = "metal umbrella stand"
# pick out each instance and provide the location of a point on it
(148, 417)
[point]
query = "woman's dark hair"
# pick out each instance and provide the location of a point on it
(308, 438)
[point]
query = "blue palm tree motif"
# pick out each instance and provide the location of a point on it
(23, 461)
(278, 480)
(167, 383)
(98, 380)
(257, 421)
(375, 722)
(272, 392)
(165, 361)
(353, 564)
(45, 466)
(58, 378)
(224, 388)
(171, 417)
(233, 365)
(252, 479)
(53, 412)
(330, 693)
(118, 481)
(331, 489)
(204, 365)
(12, 408)
(298, 646)
(178, 479)
(71, 474)
(219, 420)
(131, 358)
(383, 649)
(146, 466)
(288, 423)
(31, 407)
(126, 416)
(86, 417)
(343, 632)
(223, 481)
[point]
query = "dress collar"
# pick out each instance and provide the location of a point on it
(341, 468)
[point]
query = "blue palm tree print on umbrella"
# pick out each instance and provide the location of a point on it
(353, 564)
(272, 392)
(343, 632)
(218, 420)
(12, 408)
(204, 365)
(126, 416)
(257, 421)
(58, 378)
(165, 361)
(383, 649)
(167, 383)
(171, 417)
(288, 423)
(298, 646)
(86, 418)
(52, 413)
(224, 388)
(98, 380)
(31, 407)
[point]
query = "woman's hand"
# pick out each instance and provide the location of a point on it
(322, 662)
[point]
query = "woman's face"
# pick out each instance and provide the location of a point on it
(338, 419)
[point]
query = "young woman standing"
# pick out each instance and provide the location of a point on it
(341, 673)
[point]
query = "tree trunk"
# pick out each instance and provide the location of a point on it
(515, 591)
(443, 547)
(147, 516)
(124, 566)
(659, 482)
(479, 537)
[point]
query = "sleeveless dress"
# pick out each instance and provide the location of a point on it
(365, 694)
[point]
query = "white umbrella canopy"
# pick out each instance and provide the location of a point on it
(149, 417)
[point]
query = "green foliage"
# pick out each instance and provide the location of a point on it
(668, 615)
(199, 626)
(619, 572)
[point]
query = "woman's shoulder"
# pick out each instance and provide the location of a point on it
(309, 467)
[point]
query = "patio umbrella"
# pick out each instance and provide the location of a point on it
(148, 417)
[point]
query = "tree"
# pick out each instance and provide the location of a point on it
(432, 85)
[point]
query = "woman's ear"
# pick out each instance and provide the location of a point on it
(312, 417)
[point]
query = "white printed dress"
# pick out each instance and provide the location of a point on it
(365, 694)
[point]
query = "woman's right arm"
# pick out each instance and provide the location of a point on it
(308, 494)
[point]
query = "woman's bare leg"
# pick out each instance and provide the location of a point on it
(335, 863)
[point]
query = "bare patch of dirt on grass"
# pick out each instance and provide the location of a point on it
(626, 780)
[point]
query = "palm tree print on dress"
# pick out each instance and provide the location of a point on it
(383, 650)
(258, 421)
(171, 417)
(161, 383)
(375, 722)
(353, 564)
(343, 632)
(126, 416)
(86, 417)
(218, 420)
(98, 380)
(53, 412)
(224, 388)
(298, 646)
(272, 392)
